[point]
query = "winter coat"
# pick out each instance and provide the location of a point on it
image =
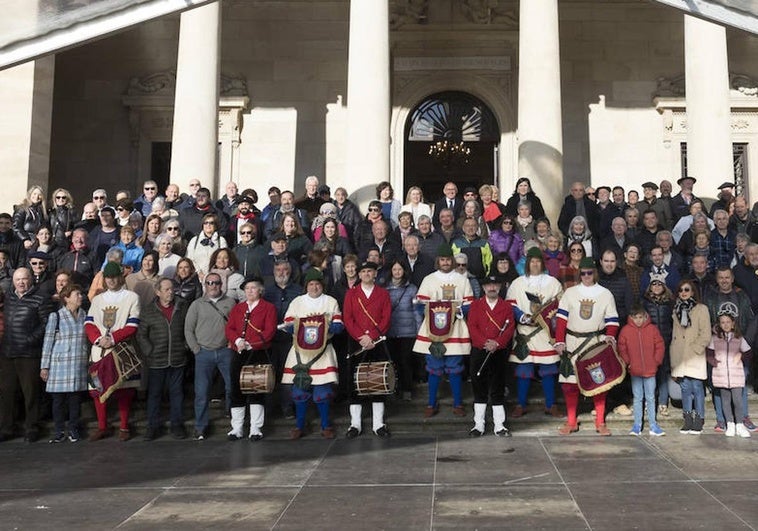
(349, 216)
(660, 316)
(511, 207)
(621, 289)
(726, 356)
(688, 345)
(133, 255)
(405, 322)
(65, 352)
(27, 221)
(62, 220)
(554, 261)
(641, 347)
(507, 242)
(188, 289)
(25, 321)
(160, 340)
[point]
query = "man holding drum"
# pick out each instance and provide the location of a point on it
(250, 330)
(367, 318)
(311, 365)
(444, 296)
(491, 325)
(586, 318)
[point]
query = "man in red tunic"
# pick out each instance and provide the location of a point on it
(366, 315)
(491, 326)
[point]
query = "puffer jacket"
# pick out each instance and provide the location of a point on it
(188, 289)
(728, 355)
(619, 286)
(641, 347)
(507, 242)
(62, 220)
(25, 322)
(405, 322)
(162, 341)
(660, 316)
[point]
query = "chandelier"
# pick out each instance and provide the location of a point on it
(450, 153)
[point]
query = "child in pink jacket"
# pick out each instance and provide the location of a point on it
(641, 347)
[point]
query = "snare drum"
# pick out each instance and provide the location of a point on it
(256, 379)
(376, 378)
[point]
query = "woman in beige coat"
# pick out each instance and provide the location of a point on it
(691, 335)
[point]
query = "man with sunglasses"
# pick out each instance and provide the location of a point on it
(144, 203)
(205, 332)
(586, 317)
(39, 262)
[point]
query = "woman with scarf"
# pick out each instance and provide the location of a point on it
(525, 222)
(553, 256)
(491, 209)
(225, 264)
(542, 230)
(153, 227)
(580, 232)
(524, 192)
(506, 239)
(691, 335)
(659, 303)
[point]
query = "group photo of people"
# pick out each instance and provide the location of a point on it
(636, 303)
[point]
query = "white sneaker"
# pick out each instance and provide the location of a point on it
(730, 429)
(742, 430)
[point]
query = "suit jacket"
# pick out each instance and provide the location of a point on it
(442, 203)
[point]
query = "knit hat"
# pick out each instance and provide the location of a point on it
(444, 250)
(112, 270)
(534, 252)
(313, 274)
(587, 263)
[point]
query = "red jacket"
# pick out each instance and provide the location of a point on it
(369, 316)
(485, 323)
(260, 329)
(641, 347)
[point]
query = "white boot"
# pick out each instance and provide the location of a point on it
(238, 421)
(742, 430)
(377, 409)
(355, 421)
(257, 415)
(478, 429)
(730, 429)
(498, 419)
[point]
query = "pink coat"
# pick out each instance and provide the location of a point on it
(728, 372)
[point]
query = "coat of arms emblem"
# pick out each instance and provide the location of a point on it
(585, 308)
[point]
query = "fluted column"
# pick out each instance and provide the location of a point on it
(368, 98)
(540, 127)
(709, 136)
(195, 134)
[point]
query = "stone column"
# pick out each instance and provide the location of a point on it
(195, 131)
(368, 99)
(709, 135)
(540, 133)
(26, 111)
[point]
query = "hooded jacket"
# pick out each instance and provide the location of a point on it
(641, 347)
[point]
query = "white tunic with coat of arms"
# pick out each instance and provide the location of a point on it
(439, 286)
(586, 309)
(324, 370)
(547, 288)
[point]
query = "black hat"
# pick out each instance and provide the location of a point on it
(679, 181)
(323, 189)
(470, 189)
(39, 255)
(650, 184)
(368, 265)
(246, 199)
(250, 279)
(603, 188)
(726, 185)
(278, 236)
(492, 279)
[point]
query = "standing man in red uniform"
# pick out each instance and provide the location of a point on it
(366, 315)
(491, 326)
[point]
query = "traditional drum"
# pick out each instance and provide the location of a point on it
(599, 369)
(377, 378)
(116, 367)
(257, 379)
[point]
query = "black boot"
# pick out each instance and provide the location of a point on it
(687, 416)
(697, 424)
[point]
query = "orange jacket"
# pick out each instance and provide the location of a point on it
(641, 347)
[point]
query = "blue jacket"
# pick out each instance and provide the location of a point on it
(133, 254)
(405, 322)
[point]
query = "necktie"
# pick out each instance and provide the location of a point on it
(450, 204)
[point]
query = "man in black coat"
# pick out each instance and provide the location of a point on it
(420, 265)
(191, 217)
(13, 247)
(450, 200)
(577, 204)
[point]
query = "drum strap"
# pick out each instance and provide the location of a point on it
(370, 317)
(588, 336)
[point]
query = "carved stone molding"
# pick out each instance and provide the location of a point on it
(164, 84)
(490, 12)
(673, 87)
(404, 12)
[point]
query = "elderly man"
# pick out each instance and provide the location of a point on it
(228, 203)
(100, 198)
(444, 297)
(205, 332)
(174, 199)
(388, 248)
(661, 208)
(616, 241)
(723, 243)
(680, 203)
(420, 265)
(725, 196)
(449, 200)
(578, 204)
(311, 200)
(447, 229)
(144, 203)
(25, 314)
(42, 278)
(80, 260)
(89, 219)
(429, 240)
(475, 247)
(161, 340)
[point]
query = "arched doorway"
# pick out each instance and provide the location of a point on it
(450, 136)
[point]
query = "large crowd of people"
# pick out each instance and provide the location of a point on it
(632, 301)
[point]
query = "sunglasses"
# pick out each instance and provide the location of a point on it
(209, 222)
(98, 197)
(684, 290)
(212, 282)
(149, 188)
(172, 228)
(120, 209)
(194, 185)
(587, 273)
(576, 251)
(37, 263)
(374, 209)
(243, 232)
(61, 197)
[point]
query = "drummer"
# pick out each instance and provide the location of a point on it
(366, 315)
(586, 317)
(250, 329)
(311, 365)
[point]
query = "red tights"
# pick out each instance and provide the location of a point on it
(571, 394)
(124, 398)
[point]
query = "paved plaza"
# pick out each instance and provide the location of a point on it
(416, 480)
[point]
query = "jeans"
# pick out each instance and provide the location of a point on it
(644, 387)
(157, 381)
(205, 363)
(692, 389)
(74, 402)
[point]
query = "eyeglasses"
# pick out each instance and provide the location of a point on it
(61, 197)
(577, 251)
(149, 188)
(209, 222)
(120, 209)
(243, 232)
(37, 263)
(212, 282)
(374, 209)
(172, 228)
(587, 273)
(461, 265)
(98, 197)
(194, 185)
(684, 289)
(508, 222)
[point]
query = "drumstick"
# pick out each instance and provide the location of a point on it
(362, 349)
(282, 326)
